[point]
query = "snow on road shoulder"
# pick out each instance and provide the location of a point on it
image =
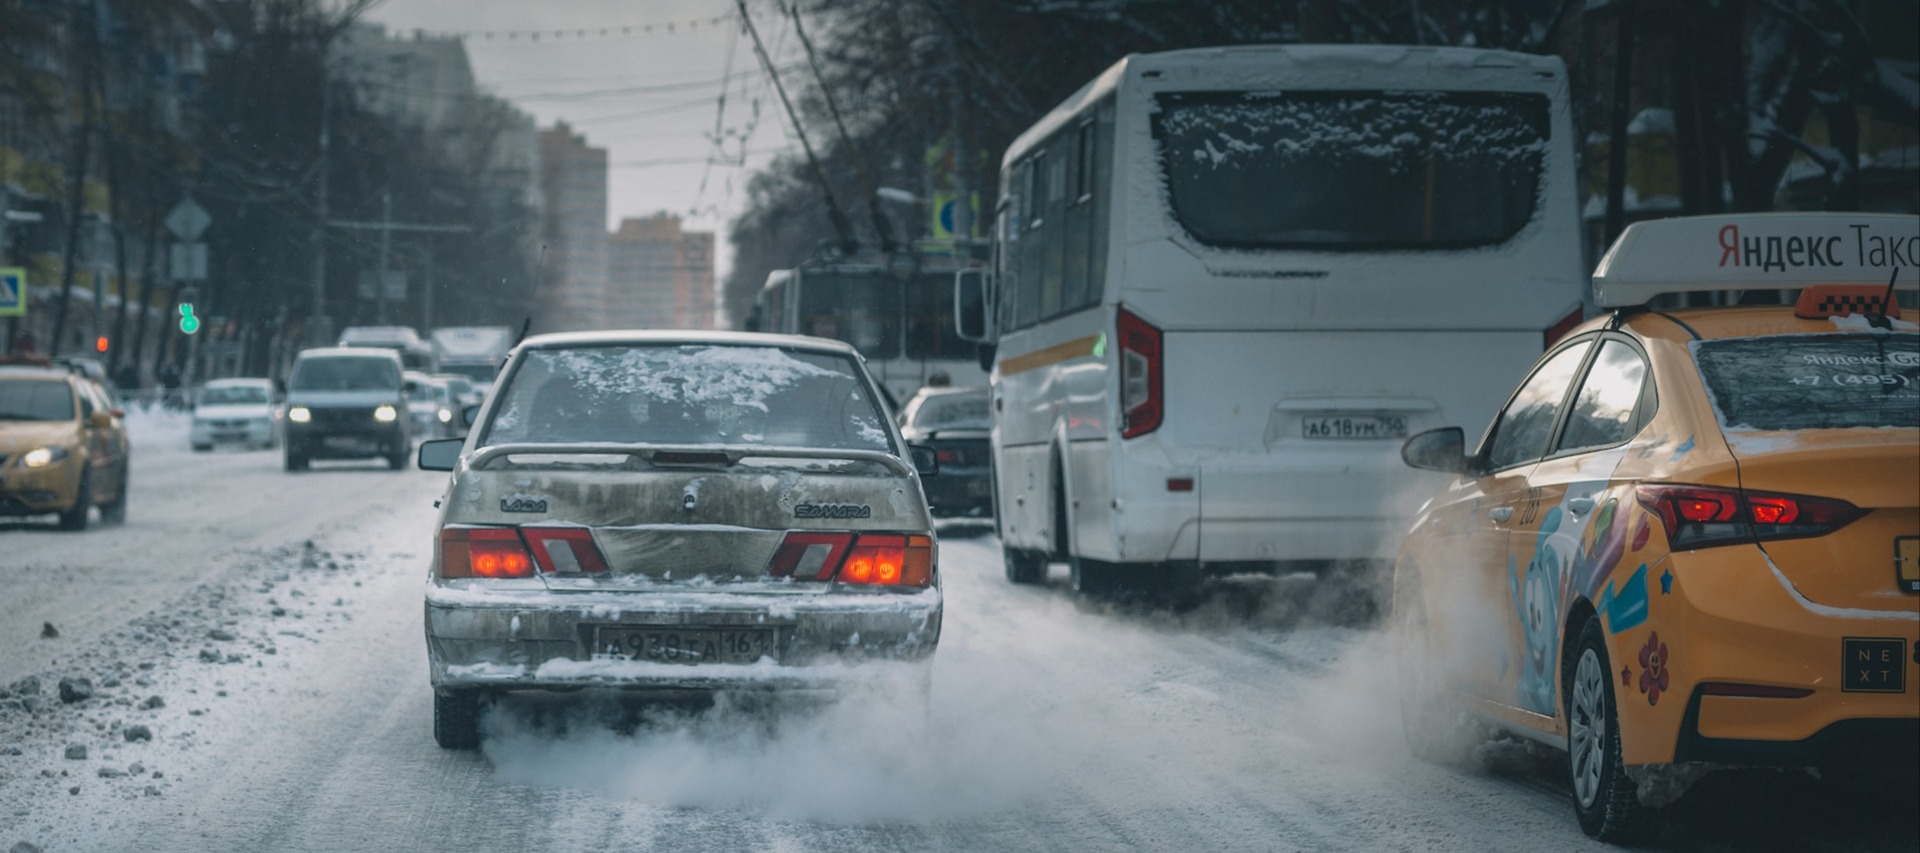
(116, 726)
(158, 429)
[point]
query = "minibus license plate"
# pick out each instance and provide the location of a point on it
(1349, 426)
(683, 645)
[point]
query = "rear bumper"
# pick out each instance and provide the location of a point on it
(253, 432)
(960, 491)
(1735, 621)
(507, 641)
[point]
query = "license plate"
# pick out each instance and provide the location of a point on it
(1906, 560)
(1873, 665)
(684, 645)
(1351, 427)
(977, 489)
(230, 435)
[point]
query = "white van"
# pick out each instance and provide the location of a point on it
(1228, 282)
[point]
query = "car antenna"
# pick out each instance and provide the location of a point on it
(527, 323)
(1878, 319)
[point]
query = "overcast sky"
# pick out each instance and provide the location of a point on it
(649, 98)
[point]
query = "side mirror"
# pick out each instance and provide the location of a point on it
(925, 460)
(972, 315)
(1443, 449)
(100, 420)
(440, 454)
(469, 414)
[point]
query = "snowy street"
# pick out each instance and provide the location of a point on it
(255, 674)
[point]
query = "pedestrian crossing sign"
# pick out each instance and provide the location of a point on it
(13, 292)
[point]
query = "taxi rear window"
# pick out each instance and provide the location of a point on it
(1800, 382)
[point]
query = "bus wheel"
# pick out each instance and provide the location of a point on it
(1024, 567)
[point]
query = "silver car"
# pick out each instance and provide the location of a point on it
(669, 511)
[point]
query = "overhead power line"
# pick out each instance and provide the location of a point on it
(535, 36)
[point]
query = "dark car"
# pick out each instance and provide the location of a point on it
(347, 404)
(955, 423)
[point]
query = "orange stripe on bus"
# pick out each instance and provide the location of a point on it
(1076, 348)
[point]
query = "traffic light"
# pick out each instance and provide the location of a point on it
(188, 323)
(100, 344)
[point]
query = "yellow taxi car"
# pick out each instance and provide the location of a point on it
(63, 447)
(1690, 540)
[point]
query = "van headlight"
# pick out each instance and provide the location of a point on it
(300, 414)
(386, 413)
(41, 457)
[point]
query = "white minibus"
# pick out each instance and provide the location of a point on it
(898, 312)
(1226, 283)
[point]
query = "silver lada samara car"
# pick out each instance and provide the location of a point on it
(676, 511)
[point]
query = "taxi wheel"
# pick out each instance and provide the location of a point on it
(456, 719)
(1024, 567)
(1434, 728)
(115, 512)
(76, 518)
(1604, 797)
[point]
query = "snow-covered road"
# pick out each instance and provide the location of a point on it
(276, 618)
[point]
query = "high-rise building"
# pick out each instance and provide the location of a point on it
(659, 275)
(573, 283)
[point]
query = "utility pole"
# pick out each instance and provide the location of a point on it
(319, 325)
(386, 242)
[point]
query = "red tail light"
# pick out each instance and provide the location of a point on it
(1142, 401)
(873, 559)
(565, 550)
(809, 556)
(1559, 330)
(1700, 516)
(947, 457)
(483, 552)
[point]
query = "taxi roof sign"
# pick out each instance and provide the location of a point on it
(1757, 251)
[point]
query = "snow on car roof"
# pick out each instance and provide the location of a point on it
(561, 340)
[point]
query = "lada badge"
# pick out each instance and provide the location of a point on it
(523, 503)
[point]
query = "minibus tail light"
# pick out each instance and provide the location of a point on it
(1142, 362)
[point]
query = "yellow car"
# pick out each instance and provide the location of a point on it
(1690, 540)
(63, 448)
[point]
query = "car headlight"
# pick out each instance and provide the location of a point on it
(446, 416)
(41, 457)
(300, 414)
(386, 413)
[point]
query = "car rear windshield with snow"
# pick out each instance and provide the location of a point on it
(345, 373)
(1352, 170)
(688, 394)
(36, 401)
(1827, 381)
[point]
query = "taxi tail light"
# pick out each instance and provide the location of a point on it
(565, 550)
(889, 560)
(1560, 329)
(1142, 359)
(483, 552)
(809, 556)
(1700, 516)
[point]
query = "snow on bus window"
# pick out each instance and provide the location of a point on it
(1352, 170)
(681, 394)
(1799, 382)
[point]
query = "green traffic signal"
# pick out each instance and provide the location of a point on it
(188, 323)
